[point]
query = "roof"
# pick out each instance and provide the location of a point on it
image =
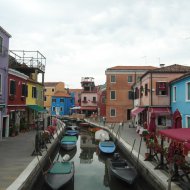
(50, 84)
(172, 69)
(169, 69)
(75, 90)
(61, 94)
(5, 32)
(180, 78)
(132, 68)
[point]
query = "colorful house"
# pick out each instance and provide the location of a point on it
(89, 97)
(119, 99)
(49, 91)
(17, 92)
(61, 104)
(180, 98)
(153, 94)
(32, 64)
(4, 57)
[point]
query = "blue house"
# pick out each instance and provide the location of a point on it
(180, 98)
(61, 103)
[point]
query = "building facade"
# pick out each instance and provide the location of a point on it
(4, 58)
(180, 98)
(119, 94)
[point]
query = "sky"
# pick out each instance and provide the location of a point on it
(82, 38)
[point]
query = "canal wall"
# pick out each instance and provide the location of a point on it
(156, 178)
(29, 176)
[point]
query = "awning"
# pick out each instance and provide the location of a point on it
(90, 108)
(160, 110)
(136, 111)
(76, 108)
(37, 108)
(181, 135)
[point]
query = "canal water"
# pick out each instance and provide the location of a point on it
(91, 169)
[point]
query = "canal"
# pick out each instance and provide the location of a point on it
(90, 168)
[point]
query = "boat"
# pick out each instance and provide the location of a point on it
(71, 153)
(102, 135)
(107, 147)
(72, 127)
(121, 169)
(68, 142)
(71, 132)
(60, 174)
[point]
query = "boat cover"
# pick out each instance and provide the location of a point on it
(69, 139)
(61, 168)
(107, 144)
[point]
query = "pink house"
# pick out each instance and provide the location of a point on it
(152, 94)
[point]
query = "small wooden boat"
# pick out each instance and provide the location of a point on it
(107, 147)
(59, 174)
(102, 135)
(68, 142)
(121, 169)
(71, 153)
(71, 132)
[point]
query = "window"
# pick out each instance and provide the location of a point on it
(53, 100)
(84, 99)
(112, 112)
(61, 100)
(130, 78)
(53, 108)
(45, 89)
(34, 92)
(138, 78)
(130, 95)
(45, 99)
(23, 89)
(112, 95)
(162, 120)
(52, 89)
(26, 90)
(146, 90)
(94, 99)
(174, 94)
(12, 87)
(188, 121)
(1, 44)
(161, 88)
(136, 93)
(0, 84)
(61, 108)
(188, 91)
(113, 79)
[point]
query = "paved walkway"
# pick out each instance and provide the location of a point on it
(15, 155)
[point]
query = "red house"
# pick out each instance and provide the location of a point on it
(17, 92)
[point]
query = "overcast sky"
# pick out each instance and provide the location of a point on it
(82, 38)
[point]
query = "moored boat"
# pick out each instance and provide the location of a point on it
(102, 135)
(71, 132)
(68, 142)
(59, 174)
(107, 147)
(122, 169)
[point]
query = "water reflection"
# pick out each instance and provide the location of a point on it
(90, 166)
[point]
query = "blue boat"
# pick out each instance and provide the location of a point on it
(107, 147)
(68, 142)
(71, 132)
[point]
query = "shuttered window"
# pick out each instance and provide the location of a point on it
(161, 88)
(12, 87)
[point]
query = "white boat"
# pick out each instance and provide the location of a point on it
(102, 135)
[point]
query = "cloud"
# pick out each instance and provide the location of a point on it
(85, 37)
